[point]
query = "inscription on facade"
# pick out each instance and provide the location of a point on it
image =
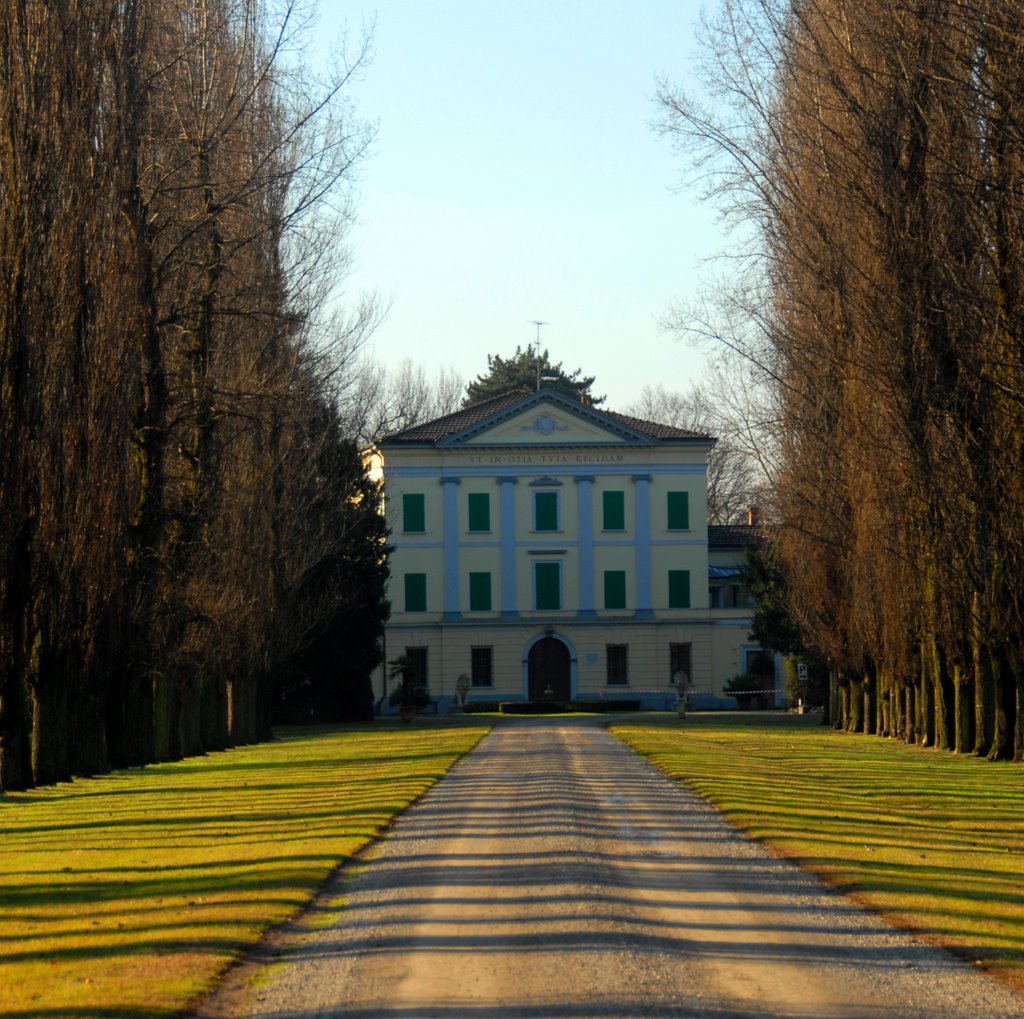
(543, 459)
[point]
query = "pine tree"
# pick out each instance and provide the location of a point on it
(528, 370)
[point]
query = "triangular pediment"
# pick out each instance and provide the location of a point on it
(547, 419)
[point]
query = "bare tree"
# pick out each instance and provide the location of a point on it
(868, 149)
(384, 402)
(735, 483)
(176, 200)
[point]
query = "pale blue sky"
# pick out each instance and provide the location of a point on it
(516, 176)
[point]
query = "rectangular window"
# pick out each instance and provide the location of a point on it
(545, 511)
(614, 589)
(415, 592)
(614, 511)
(617, 663)
(413, 515)
(678, 589)
(416, 666)
(678, 511)
(547, 585)
(481, 666)
(479, 511)
(679, 664)
(479, 592)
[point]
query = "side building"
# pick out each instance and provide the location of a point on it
(550, 550)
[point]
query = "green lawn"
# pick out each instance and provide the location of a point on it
(932, 840)
(127, 895)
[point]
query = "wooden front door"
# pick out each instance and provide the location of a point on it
(547, 668)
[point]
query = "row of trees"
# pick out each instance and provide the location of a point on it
(879, 167)
(185, 525)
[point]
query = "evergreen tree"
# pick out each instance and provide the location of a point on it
(528, 370)
(772, 627)
(336, 602)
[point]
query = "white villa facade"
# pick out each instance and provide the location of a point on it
(550, 550)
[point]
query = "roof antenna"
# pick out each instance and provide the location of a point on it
(538, 324)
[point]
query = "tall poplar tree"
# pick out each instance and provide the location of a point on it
(874, 157)
(175, 199)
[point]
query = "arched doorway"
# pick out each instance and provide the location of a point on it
(548, 669)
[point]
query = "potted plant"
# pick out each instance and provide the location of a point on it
(410, 694)
(745, 687)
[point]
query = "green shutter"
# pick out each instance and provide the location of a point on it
(678, 589)
(678, 511)
(547, 577)
(614, 511)
(614, 589)
(545, 511)
(415, 592)
(480, 592)
(413, 516)
(479, 511)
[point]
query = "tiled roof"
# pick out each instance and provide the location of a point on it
(735, 536)
(451, 424)
(652, 428)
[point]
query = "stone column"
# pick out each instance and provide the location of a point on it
(509, 606)
(450, 531)
(642, 483)
(585, 494)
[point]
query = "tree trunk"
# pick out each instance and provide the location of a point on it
(163, 699)
(1004, 701)
(15, 756)
(213, 721)
(925, 708)
(942, 697)
(130, 720)
(250, 714)
(910, 713)
(15, 733)
(1018, 720)
(187, 737)
(51, 755)
(854, 705)
(884, 702)
(868, 685)
(982, 692)
(964, 711)
(265, 708)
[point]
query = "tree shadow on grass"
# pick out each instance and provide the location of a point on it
(583, 862)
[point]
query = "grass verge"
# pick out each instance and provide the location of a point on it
(127, 895)
(931, 840)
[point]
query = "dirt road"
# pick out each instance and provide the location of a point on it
(553, 873)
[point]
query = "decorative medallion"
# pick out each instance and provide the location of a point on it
(545, 425)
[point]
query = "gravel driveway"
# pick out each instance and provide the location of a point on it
(554, 873)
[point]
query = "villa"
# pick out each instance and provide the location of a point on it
(550, 550)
